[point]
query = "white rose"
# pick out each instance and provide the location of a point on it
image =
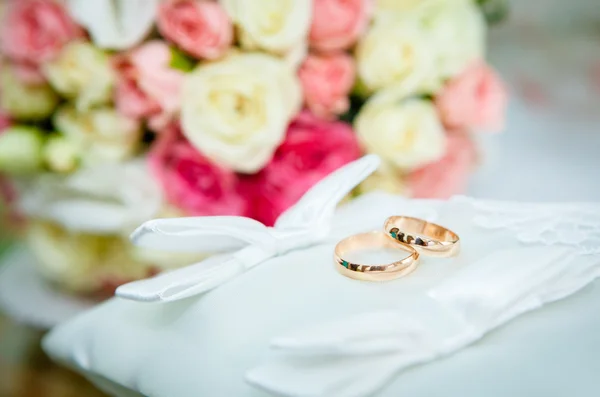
(383, 7)
(115, 24)
(82, 263)
(277, 26)
(395, 50)
(457, 29)
(82, 72)
(236, 110)
(296, 56)
(26, 102)
(406, 133)
(100, 134)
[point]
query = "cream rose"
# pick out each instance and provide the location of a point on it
(61, 155)
(21, 150)
(236, 111)
(21, 101)
(83, 263)
(100, 134)
(383, 7)
(457, 29)
(82, 72)
(405, 132)
(394, 50)
(387, 179)
(277, 26)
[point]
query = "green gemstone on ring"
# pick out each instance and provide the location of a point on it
(394, 234)
(345, 264)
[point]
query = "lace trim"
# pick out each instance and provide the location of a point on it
(575, 225)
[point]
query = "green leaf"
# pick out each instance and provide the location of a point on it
(360, 89)
(495, 11)
(181, 61)
(356, 103)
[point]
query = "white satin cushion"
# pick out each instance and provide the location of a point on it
(206, 345)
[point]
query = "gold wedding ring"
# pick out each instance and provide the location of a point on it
(380, 272)
(426, 237)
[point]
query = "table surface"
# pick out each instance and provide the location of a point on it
(25, 371)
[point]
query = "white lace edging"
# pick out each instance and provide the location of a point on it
(574, 225)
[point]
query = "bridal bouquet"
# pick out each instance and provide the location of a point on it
(114, 112)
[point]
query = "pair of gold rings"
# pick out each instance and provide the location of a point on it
(413, 235)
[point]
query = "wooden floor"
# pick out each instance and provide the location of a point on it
(25, 371)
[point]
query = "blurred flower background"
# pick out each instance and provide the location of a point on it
(116, 112)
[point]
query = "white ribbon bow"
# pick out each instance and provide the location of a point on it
(306, 223)
(357, 356)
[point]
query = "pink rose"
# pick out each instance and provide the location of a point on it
(29, 73)
(326, 82)
(200, 28)
(147, 87)
(313, 148)
(337, 24)
(5, 121)
(11, 217)
(132, 102)
(449, 175)
(34, 31)
(474, 99)
(190, 181)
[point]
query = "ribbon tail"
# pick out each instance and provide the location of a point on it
(317, 206)
(185, 282)
(195, 279)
